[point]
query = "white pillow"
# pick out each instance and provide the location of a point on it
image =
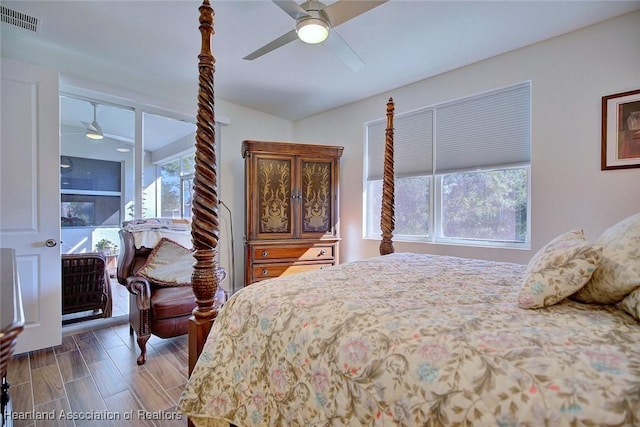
(559, 269)
(619, 271)
(168, 264)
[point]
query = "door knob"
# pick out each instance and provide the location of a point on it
(50, 243)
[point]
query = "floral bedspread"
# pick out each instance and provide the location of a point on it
(413, 340)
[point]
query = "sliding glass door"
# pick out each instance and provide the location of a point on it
(119, 163)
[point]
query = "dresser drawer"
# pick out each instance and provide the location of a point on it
(300, 253)
(268, 271)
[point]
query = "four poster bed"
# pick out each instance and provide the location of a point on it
(414, 339)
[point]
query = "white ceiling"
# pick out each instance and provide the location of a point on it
(152, 47)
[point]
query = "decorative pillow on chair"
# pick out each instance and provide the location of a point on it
(168, 264)
(631, 304)
(619, 271)
(559, 269)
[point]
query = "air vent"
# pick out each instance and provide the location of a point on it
(19, 19)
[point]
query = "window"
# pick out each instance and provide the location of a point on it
(462, 171)
(485, 206)
(90, 192)
(122, 182)
(176, 180)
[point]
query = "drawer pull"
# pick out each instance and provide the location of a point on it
(265, 272)
(265, 254)
(322, 252)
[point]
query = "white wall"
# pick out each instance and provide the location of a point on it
(244, 124)
(569, 76)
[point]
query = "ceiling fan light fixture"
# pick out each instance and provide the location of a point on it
(312, 30)
(94, 134)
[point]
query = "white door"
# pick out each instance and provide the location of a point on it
(30, 195)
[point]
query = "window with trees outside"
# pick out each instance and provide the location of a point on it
(462, 171)
(176, 182)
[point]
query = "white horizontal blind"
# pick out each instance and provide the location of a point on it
(485, 131)
(413, 145)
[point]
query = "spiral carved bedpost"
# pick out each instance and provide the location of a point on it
(204, 226)
(387, 217)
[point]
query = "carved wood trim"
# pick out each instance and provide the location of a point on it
(204, 225)
(387, 217)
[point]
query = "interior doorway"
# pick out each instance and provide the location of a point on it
(111, 172)
(97, 165)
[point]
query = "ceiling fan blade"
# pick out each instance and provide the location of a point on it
(280, 41)
(344, 10)
(291, 8)
(343, 51)
(108, 136)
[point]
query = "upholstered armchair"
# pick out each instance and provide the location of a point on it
(85, 287)
(158, 305)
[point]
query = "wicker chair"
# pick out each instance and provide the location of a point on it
(85, 286)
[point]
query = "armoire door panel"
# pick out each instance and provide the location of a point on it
(316, 197)
(274, 198)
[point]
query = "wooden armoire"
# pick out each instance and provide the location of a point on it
(291, 220)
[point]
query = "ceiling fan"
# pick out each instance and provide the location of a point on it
(315, 24)
(94, 130)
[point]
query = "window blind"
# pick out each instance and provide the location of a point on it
(413, 145)
(480, 132)
(485, 131)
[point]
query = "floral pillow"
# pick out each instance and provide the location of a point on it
(169, 264)
(559, 269)
(619, 271)
(631, 304)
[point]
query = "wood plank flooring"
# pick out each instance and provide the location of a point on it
(94, 374)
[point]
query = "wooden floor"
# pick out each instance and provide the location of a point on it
(94, 374)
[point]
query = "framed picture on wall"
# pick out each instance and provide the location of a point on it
(621, 130)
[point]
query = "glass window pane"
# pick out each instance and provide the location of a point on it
(488, 205)
(89, 210)
(96, 175)
(189, 164)
(374, 202)
(78, 173)
(411, 207)
(165, 140)
(170, 188)
(187, 197)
